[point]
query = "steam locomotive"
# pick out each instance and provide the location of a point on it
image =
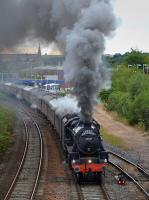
(81, 141)
(83, 147)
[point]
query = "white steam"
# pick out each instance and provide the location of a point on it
(65, 105)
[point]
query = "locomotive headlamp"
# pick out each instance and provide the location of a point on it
(89, 161)
(73, 161)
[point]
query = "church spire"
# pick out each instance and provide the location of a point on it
(39, 61)
(39, 51)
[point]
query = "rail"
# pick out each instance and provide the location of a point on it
(31, 192)
(131, 178)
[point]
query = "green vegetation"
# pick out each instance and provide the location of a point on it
(6, 125)
(136, 57)
(133, 57)
(113, 140)
(129, 94)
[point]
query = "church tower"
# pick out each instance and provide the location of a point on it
(39, 60)
(39, 51)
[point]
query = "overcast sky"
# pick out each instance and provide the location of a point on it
(133, 30)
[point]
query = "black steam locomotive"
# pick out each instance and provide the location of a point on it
(80, 141)
(83, 147)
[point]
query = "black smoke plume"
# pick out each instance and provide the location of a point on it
(78, 27)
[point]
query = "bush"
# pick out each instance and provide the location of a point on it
(104, 95)
(114, 100)
(135, 57)
(120, 79)
(140, 109)
(138, 83)
(129, 96)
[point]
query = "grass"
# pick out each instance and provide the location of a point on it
(7, 118)
(5, 142)
(116, 116)
(113, 140)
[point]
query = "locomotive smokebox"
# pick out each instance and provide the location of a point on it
(86, 123)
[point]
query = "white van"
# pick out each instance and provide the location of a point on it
(52, 88)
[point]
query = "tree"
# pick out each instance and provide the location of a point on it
(135, 57)
(129, 95)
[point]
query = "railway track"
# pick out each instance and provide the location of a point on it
(26, 179)
(63, 185)
(58, 180)
(93, 192)
(138, 167)
(83, 192)
(135, 173)
(76, 191)
(88, 191)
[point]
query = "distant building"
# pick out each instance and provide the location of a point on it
(22, 62)
(50, 72)
(39, 60)
(53, 60)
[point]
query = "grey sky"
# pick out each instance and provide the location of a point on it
(133, 30)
